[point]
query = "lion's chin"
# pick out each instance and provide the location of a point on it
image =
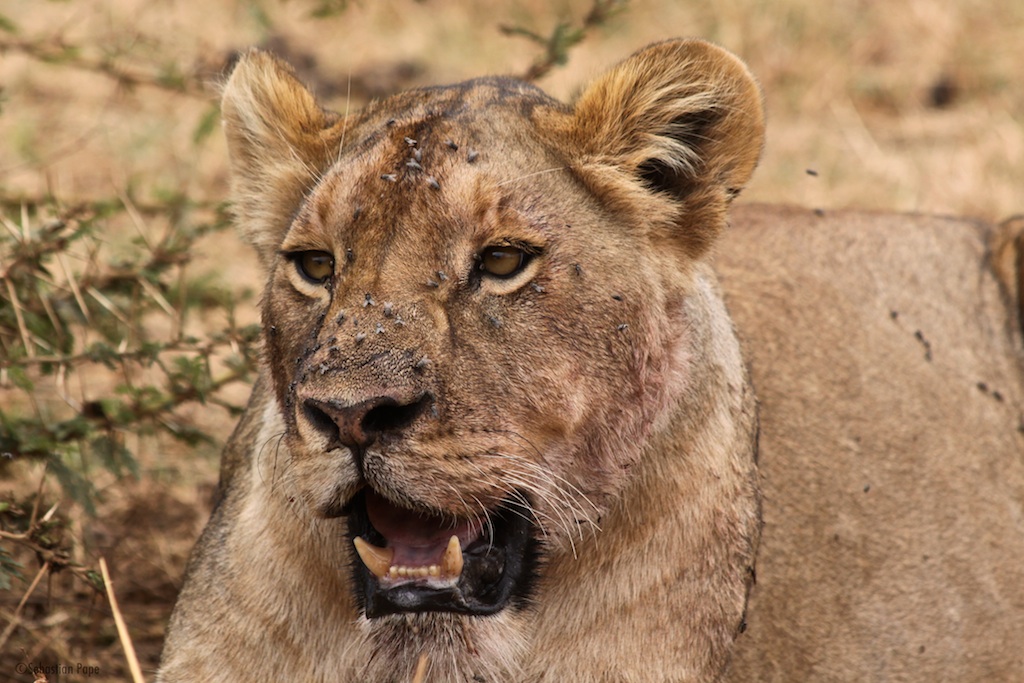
(451, 647)
(411, 561)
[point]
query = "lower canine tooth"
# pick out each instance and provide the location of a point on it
(451, 563)
(377, 560)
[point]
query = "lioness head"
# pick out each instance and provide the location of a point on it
(489, 329)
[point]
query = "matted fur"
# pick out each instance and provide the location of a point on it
(606, 388)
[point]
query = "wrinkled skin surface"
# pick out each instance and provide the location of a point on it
(491, 321)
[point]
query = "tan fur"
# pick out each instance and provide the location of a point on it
(607, 385)
(887, 362)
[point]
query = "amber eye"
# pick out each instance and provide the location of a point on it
(502, 262)
(314, 266)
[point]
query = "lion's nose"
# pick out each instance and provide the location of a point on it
(357, 425)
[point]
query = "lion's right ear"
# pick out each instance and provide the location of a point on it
(668, 137)
(279, 142)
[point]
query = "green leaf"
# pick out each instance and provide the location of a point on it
(523, 32)
(20, 378)
(7, 26)
(188, 434)
(117, 459)
(171, 76)
(77, 487)
(95, 580)
(328, 8)
(8, 569)
(251, 333)
(68, 431)
(207, 125)
(260, 17)
(98, 352)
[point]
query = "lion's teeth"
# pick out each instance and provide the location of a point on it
(397, 572)
(451, 563)
(377, 560)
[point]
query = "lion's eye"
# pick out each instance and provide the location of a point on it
(502, 262)
(314, 266)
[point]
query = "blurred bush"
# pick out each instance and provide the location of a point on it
(71, 311)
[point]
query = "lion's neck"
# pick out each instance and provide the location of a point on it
(674, 558)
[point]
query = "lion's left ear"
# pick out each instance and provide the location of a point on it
(681, 119)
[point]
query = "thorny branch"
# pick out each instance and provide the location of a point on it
(45, 322)
(14, 202)
(54, 50)
(44, 537)
(564, 37)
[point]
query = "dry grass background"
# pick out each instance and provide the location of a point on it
(912, 106)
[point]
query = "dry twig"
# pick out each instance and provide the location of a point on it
(16, 617)
(122, 630)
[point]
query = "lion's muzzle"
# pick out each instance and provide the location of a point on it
(422, 559)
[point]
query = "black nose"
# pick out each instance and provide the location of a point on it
(357, 425)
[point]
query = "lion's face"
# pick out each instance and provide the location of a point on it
(475, 309)
(453, 342)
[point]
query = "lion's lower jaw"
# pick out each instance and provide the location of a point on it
(451, 647)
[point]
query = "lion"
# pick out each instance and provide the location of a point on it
(887, 355)
(504, 429)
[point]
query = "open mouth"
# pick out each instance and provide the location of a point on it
(417, 562)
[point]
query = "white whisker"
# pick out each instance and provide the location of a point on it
(344, 121)
(530, 175)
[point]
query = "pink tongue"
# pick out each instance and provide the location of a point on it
(417, 538)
